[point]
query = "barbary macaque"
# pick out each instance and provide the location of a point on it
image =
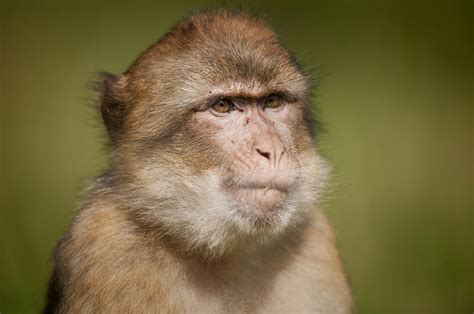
(210, 201)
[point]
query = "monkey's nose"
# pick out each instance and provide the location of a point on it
(264, 154)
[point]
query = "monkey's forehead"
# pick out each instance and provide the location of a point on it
(218, 51)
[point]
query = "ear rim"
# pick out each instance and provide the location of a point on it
(113, 107)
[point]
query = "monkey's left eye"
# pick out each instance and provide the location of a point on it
(223, 106)
(273, 101)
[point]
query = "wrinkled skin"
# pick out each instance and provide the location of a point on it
(260, 161)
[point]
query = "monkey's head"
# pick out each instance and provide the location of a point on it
(212, 136)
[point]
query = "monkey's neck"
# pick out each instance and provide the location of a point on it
(197, 262)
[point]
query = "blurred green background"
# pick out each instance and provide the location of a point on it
(397, 102)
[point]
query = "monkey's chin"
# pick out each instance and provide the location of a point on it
(260, 202)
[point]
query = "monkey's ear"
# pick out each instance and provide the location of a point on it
(113, 106)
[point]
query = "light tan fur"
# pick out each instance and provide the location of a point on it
(113, 267)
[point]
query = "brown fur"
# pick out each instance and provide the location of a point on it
(150, 237)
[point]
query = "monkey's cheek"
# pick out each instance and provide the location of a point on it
(261, 202)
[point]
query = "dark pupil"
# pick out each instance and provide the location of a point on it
(272, 101)
(222, 106)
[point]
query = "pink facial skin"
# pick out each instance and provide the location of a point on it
(256, 141)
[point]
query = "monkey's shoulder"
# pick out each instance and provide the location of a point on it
(101, 264)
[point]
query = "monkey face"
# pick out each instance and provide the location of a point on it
(211, 132)
(253, 135)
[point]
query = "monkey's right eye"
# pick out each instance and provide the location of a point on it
(223, 106)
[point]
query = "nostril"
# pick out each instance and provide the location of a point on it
(264, 154)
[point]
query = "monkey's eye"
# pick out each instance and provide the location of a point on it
(223, 106)
(273, 101)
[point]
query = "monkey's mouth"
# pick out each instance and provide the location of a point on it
(232, 184)
(260, 199)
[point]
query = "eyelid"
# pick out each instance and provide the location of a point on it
(214, 101)
(280, 96)
(286, 96)
(275, 97)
